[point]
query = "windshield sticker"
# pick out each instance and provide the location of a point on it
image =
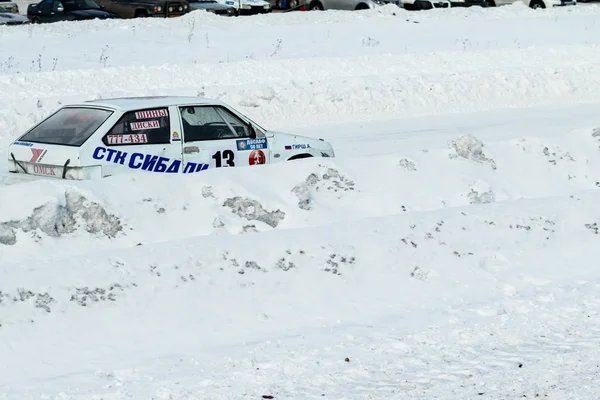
(141, 125)
(151, 114)
(251, 144)
(127, 139)
(257, 157)
(176, 136)
(23, 144)
(145, 162)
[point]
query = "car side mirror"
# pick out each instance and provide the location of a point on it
(60, 9)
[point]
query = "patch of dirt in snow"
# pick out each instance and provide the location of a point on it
(56, 220)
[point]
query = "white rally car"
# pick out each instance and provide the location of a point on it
(166, 135)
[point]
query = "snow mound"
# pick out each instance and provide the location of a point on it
(63, 216)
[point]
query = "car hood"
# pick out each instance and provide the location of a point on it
(6, 18)
(208, 6)
(89, 14)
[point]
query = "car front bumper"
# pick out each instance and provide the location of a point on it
(470, 3)
(254, 10)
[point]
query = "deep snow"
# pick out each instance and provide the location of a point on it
(447, 252)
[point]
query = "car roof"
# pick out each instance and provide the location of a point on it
(132, 103)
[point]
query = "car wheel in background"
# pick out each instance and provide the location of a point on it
(537, 4)
(36, 20)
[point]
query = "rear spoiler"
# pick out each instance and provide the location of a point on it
(25, 170)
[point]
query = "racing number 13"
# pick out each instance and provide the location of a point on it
(225, 155)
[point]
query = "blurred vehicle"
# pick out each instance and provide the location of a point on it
(66, 10)
(248, 7)
(428, 5)
(9, 14)
(146, 8)
(313, 5)
(12, 19)
(213, 6)
(8, 7)
(535, 4)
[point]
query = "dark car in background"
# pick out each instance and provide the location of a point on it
(66, 10)
(146, 8)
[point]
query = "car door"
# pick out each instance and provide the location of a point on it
(215, 137)
(45, 10)
(57, 13)
(141, 140)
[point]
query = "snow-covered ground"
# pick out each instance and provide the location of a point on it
(448, 252)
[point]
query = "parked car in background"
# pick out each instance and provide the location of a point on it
(9, 14)
(9, 7)
(313, 5)
(428, 5)
(248, 7)
(66, 10)
(213, 6)
(146, 8)
(535, 4)
(12, 19)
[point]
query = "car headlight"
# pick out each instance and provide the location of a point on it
(170, 9)
(246, 6)
(267, 6)
(185, 6)
(180, 8)
(159, 9)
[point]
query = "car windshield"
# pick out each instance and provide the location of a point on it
(74, 5)
(70, 126)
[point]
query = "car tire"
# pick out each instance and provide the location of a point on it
(361, 6)
(36, 20)
(291, 4)
(315, 6)
(537, 4)
(491, 3)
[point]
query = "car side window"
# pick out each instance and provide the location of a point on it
(210, 123)
(151, 126)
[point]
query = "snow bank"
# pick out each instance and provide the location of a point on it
(285, 94)
(126, 210)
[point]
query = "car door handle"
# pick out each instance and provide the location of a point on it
(191, 149)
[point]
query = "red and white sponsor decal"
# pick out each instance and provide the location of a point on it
(151, 114)
(127, 139)
(43, 170)
(141, 125)
(37, 154)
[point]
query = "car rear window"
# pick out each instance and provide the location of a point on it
(70, 126)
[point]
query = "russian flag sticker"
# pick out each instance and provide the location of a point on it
(288, 147)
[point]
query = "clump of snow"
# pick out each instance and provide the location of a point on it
(55, 219)
(407, 164)
(470, 148)
(330, 180)
(252, 210)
